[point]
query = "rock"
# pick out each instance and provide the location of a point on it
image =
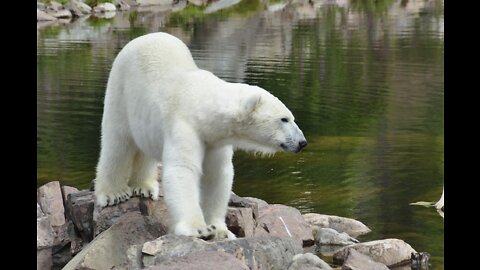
(388, 251)
(64, 13)
(154, 2)
(219, 5)
(78, 8)
(237, 201)
(50, 199)
(54, 5)
(257, 253)
(104, 7)
(419, 261)
(350, 226)
(61, 237)
(240, 221)
(308, 261)
(329, 236)
(80, 207)
(44, 259)
(104, 218)
(203, 260)
(198, 2)
(284, 221)
(61, 257)
(39, 211)
(42, 16)
(45, 233)
(76, 241)
(41, 6)
(68, 190)
(358, 261)
(259, 202)
(109, 249)
(122, 5)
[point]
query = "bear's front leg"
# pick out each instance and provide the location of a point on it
(181, 180)
(216, 187)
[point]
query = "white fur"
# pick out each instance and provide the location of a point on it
(159, 106)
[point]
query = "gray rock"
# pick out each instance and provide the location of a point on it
(43, 16)
(78, 8)
(122, 5)
(104, 7)
(76, 241)
(50, 199)
(39, 211)
(284, 221)
(45, 233)
(68, 190)
(80, 207)
(198, 2)
(61, 257)
(308, 261)
(240, 221)
(358, 261)
(41, 6)
(154, 2)
(109, 249)
(54, 5)
(104, 218)
(350, 226)
(61, 237)
(44, 259)
(64, 13)
(387, 251)
(219, 5)
(257, 253)
(259, 202)
(203, 260)
(329, 236)
(237, 201)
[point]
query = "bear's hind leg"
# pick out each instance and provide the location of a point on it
(113, 171)
(216, 188)
(143, 181)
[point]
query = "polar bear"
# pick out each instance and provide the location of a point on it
(159, 106)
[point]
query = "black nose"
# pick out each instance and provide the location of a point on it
(302, 144)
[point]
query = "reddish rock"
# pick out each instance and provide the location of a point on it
(358, 261)
(240, 221)
(203, 260)
(284, 221)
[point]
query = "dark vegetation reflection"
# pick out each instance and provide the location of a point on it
(363, 78)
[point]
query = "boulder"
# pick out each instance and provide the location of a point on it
(283, 221)
(198, 2)
(80, 208)
(387, 251)
(240, 221)
(54, 5)
(39, 211)
(45, 233)
(358, 261)
(308, 261)
(259, 202)
(203, 260)
(256, 253)
(109, 249)
(328, 236)
(154, 2)
(237, 201)
(44, 259)
(104, 7)
(51, 202)
(68, 190)
(64, 13)
(41, 6)
(350, 226)
(78, 8)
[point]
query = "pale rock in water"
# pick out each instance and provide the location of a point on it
(350, 226)
(308, 261)
(358, 261)
(387, 251)
(329, 236)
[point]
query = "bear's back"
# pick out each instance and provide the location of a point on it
(157, 54)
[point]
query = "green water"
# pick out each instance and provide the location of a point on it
(364, 80)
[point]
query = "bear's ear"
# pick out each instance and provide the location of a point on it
(251, 103)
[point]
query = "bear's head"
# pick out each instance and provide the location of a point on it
(266, 125)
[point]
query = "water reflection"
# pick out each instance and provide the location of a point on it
(363, 78)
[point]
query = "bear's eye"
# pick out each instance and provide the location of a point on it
(285, 120)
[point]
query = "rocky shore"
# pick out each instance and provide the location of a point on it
(72, 233)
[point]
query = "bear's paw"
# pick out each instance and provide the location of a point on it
(109, 198)
(147, 190)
